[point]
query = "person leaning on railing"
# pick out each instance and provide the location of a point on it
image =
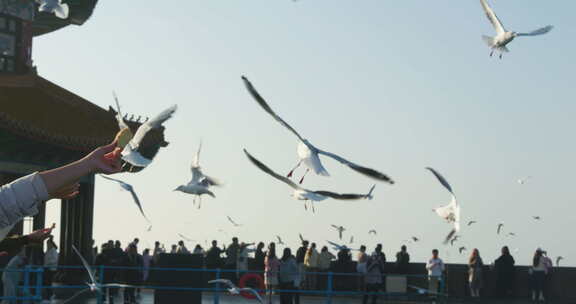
(21, 197)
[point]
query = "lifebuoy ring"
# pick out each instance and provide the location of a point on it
(252, 280)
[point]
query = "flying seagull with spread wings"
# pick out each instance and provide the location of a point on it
(93, 285)
(308, 153)
(56, 7)
(279, 240)
(340, 230)
(200, 183)
(503, 37)
(130, 189)
(305, 194)
(233, 222)
(372, 231)
(339, 247)
(130, 153)
(450, 212)
(234, 290)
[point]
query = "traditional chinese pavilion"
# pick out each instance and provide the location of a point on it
(43, 125)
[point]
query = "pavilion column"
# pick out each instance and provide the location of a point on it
(76, 224)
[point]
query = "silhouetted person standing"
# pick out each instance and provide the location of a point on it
(504, 268)
(402, 260)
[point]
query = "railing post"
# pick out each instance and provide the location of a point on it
(26, 282)
(39, 283)
(217, 288)
(99, 296)
(329, 287)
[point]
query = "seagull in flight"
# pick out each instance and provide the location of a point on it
(279, 240)
(471, 222)
(424, 291)
(461, 249)
(305, 194)
(373, 231)
(340, 230)
(511, 234)
(450, 212)
(309, 154)
(558, 259)
(93, 285)
(499, 228)
(503, 37)
(415, 239)
(199, 183)
(339, 247)
(56, 7)
(522, 181)
(185, 238)
(233, 222)
(130, 189)
(454, 239)
(130, 153)
(537, 218)
(234, 290)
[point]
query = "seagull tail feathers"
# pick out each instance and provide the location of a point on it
(488, 40)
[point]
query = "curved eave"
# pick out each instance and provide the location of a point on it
(80, 12)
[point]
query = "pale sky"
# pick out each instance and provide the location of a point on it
(395, 85)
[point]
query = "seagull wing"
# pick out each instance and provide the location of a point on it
(540, 31)
(492, 17)
(232, 221)
(69, 300)
(197, 175)
(362, 170)
(264, 168)
(343, 196)
(151, 124)
(301, 237)
(441, 179)
(124, 185)
(267, 108)
(86, 266)
(196, 160)
(137, 202)
(336, 246)
(119, 117)
(223, 281)
(209, 181)
(449, 236)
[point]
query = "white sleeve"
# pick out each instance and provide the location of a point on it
(20, 198)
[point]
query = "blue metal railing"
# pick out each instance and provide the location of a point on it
(328, 292)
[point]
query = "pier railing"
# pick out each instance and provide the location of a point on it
(325, 284)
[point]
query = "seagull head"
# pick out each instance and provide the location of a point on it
(180, 188)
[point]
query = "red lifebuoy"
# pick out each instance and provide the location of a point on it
(252, 280)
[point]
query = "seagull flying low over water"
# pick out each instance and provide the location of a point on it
(199, 183)
(503, 37)
(93, 285)
(450, 212)
(130, 189)
(309, 154)
(499, 228)
(305, 194)
(233, 222)
(56, 7)
(558, 259)
(234, 290)
(340, 230)
(130, 153)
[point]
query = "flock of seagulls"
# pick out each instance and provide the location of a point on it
(309, 156)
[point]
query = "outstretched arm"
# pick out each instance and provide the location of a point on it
(62, 182)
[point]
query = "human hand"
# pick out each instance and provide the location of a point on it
(104, 159)
(39, 236)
